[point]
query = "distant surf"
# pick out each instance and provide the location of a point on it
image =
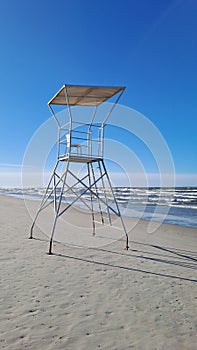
(169, 205)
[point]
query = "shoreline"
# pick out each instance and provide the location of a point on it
(130, 212)
(95, 296)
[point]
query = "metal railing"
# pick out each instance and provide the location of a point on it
(80, 140)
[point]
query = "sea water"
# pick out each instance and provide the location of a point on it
(169, 205)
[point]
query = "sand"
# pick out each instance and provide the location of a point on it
(96, 297)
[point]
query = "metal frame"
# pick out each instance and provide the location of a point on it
(92, 154)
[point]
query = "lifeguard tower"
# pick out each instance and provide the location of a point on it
(82, 142)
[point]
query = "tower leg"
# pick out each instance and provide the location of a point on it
(57, 208)
(32, 226)
(118, 210)
(43, 201)
(52, 234)
(96, 188)
(31, 231)
(106, 199)
(91, 201)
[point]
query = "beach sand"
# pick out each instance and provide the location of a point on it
(98, 296)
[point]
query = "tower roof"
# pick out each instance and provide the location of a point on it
(79, 95)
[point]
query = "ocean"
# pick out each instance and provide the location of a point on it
(169, 205)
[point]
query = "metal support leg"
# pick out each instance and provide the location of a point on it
(91, 200)
(55, 196)
(106, 199)
(96, 188)
(52, 234)
(31, 230)
(33, 224)
(58, 209)
(117, 207)
(43, 201)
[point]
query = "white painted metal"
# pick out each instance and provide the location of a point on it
(82, 143)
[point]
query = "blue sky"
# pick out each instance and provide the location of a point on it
(148, 46)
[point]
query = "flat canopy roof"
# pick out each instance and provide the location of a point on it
(79, 95)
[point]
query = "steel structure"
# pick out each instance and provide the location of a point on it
(81, 142)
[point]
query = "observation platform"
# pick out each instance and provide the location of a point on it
(79, 159)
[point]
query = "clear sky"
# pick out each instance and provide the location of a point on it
(148, 46)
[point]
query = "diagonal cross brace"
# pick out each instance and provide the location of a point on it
(78, 196)
(71, 189)
(88, 188)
